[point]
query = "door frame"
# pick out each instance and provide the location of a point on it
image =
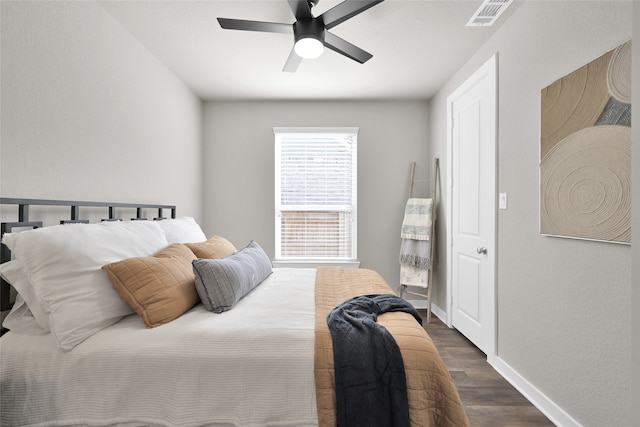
(489, 67)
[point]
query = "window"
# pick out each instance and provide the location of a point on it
(315, 194)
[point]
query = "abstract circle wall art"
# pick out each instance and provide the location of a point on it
(585, 151)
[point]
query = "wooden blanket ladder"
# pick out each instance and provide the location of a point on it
(410, 288)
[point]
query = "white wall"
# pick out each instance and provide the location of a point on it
(239, 171)
(563, 305)
(88, 113)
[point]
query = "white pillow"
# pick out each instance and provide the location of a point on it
(182, 230)
(13, 273)
(64, 265)
(20, 319)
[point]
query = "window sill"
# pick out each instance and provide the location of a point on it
(315, 263)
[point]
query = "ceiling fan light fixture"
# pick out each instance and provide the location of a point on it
(309, 48)
(309, 38)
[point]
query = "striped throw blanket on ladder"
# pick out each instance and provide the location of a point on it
(415, 251)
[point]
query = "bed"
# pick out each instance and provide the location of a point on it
(110, 328)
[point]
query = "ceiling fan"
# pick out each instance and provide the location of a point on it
(310, 32)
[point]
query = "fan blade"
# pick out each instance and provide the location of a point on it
(293, 61)
(345, 48)
(346, 10)
(267, 27)
(300, 9)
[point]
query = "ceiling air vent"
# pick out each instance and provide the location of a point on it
(488, 12)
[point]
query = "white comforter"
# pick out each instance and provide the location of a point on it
(250, 366)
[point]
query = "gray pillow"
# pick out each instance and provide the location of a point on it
(222, 282)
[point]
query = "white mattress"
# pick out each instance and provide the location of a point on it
(250, 366)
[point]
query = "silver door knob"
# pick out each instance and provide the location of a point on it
(482, 250)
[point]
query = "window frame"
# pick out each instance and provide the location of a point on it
(306, 132)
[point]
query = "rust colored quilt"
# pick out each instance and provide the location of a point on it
(433, 397)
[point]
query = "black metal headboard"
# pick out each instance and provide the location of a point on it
(23, 221)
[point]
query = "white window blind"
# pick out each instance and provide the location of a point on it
(315, 197)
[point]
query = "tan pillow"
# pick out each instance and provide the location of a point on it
(214, 248)
(159, 288)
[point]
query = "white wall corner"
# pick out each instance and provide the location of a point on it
(547, 406)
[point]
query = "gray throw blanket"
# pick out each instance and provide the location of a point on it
(370, 382)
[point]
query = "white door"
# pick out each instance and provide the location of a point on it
(472, 184)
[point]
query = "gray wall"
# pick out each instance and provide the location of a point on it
(88, 113)
(563, 305)
(635, 230)
(239, 171)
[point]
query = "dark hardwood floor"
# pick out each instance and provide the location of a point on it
(489, 399)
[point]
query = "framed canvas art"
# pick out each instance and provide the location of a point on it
(585, 151)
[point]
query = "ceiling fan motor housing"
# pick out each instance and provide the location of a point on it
(309, 28)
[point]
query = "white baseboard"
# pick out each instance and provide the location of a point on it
(439, 313)
(556, 414)
(421, 304)
(548, 407)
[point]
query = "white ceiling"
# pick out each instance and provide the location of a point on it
(416, 45)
